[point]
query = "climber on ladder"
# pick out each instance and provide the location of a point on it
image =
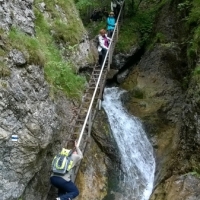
(67, 190)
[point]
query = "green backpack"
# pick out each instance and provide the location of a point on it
(62, 162)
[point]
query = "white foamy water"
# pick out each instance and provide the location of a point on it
(137, 158)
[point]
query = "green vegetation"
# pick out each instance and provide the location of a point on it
(2, 52)
(62, 77)
(128, 36)
(84, 4)
(145, 25)
(193, 22)
(137, 93)
(194, 173)
(58, 72)
(184, 7)
(3, 39)
(136, 30)
(194, 45)
(196, 70)
(95, 28)
(4, 70)
(30, 46)
(139, 19)
(43, 49)
(66, 28)
(194, 16)
(160, 38)
(137, 25)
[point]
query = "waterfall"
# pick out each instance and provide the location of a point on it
(138, 164)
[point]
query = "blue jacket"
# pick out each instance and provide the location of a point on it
(110, 23)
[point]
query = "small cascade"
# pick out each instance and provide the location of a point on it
(138, 164)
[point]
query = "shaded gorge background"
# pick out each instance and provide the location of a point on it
(43, 45)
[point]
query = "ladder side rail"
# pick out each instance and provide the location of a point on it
(92, 100)
(98, 81)
(95, 91)
(112, 44)
(114, 37)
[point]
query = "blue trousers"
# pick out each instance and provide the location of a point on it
(103, 51)
(66, 189)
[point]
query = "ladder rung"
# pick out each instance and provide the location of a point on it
(89, 98)
(96, 70)
(78, 125)
(93, 81)
(80, 120)
(93, 87)
(81, 117)
(86, 99)
(90, 83)
(84, 105)
(94, 76)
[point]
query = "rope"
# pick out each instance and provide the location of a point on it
(100, 75)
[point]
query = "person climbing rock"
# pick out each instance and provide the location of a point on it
(67, 190)
(115, 7)
(110, 24)
(104, 41)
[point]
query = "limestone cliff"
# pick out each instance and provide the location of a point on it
(163, 91)
(31, 107)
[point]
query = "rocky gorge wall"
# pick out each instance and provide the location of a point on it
(17, 13)
(41, 119)
(30, 109)
(168, 107)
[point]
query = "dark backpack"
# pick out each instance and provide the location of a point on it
(62, 162)
(96, 41)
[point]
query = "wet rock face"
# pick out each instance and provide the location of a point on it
(169, 111)
(170, 116)
(17, 57)
(98, 174)
(18, 13)
(154, 87)
(155, 95)
(41, 125)
(121, 60)
(93, 176)
(178, 188)
(82, 52)
(189, 146)
(103, 137)
(28, 112)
